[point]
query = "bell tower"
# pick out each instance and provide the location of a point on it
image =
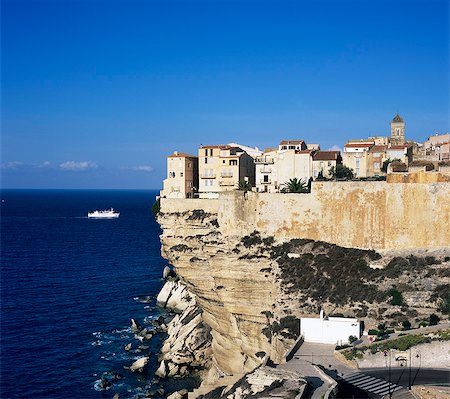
(397, 130)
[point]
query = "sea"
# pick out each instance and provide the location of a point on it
(69, 289)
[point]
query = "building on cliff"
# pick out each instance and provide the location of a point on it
(182, 176)
(223, 167)
(292, 159)
(366, 157)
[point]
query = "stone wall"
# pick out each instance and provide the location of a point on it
(370, 215)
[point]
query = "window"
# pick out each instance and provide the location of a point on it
(376, 166)
(206, 153)
(171, 174)
(223, 161)
(211, 152)
(189, 183)
(292, 147)
(266, 178)
(233, 162)
(181, 174)
(206, 160)
(189, 165)
(284, 147)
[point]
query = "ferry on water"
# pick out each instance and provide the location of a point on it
(106, 214)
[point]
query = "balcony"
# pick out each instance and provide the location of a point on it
(265, 160)
(265, 171)
(226, 174)
(223, 183)
(208, 176)
(262, 181)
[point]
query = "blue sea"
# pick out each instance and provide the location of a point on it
(69, 287)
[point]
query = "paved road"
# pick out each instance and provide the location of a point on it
(304, 362)
(400, 376)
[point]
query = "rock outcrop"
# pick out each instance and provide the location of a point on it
(188, 345)
(140, 365)
(265, 381)
(253, 289)
(175, 296)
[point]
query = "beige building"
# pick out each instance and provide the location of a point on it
(437, 147)
(292, 159)
(182, 176)
(323, 161)
(222, 168)
(356, 156)
(397, 131)
(366, 157)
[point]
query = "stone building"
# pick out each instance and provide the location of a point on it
(182, 176)
(222, 168)
(366, 157)
(322, 161)
(397, 131)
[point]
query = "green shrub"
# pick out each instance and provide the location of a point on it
(156, 207)
(397, 297)
(352, 339)
(406, 325)
(434, 319)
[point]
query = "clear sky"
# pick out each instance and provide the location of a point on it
(95, 94)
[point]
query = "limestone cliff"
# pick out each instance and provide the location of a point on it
(253, 286)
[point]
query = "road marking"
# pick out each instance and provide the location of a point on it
(370, 384)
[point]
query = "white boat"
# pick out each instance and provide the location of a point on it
(106, 214)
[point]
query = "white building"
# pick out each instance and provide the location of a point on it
(329, 330)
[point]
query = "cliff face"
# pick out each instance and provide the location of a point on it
(232, 291)
(252, 287)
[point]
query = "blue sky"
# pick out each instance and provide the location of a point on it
(95, 94)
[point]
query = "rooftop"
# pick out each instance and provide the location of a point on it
(397, 119)
(326, 155)
(291, 142)
(178, 154)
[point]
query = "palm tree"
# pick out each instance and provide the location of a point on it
(245, 185)
(295, 186)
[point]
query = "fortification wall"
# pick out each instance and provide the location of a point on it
(372, 215)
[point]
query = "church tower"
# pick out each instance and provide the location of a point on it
(397, 130)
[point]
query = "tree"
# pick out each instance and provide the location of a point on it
(244, 185)
(341, 172)
(406, 325)
(295, 186)
(434, 319)
(386, 163)
(396, 297)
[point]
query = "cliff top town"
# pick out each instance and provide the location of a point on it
(294, 163)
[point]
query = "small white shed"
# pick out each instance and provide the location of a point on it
(329, 330)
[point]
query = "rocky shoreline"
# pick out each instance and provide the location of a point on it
(187, 351)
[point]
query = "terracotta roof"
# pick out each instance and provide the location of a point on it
(378, 148)
(304, 151)
(326, 155)
(177, 154)
(398, 166)
(293, 142)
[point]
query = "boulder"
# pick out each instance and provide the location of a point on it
(161, 371)
(140, 365)
(178, 394)
(175, 296)
(135, 326)
(166, 272)
(128, 347)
